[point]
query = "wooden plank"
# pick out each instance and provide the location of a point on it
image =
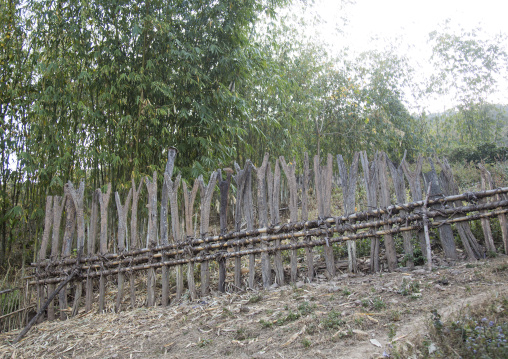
(151, 186)
(486, 183)
(289, 171)
(348, 182)
(77, 196)
(134, 238)
(206, 193)
(323, 183)
(70, 226)
(309, 254)
(273, 186)
(445, 232)
(400, 193)
(469, 241)
(122, 211)
(223, 210)
(189, 199)
(248, 211)
(266, 271)
(92, 236)
(384, 201)
(415, 186)
(370, 173)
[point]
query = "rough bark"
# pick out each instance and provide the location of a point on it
(273, 204)
(122, 211)
(400, 192)
(486, 183)
(289, 171)
(305, 216)
(223, 210)
(266, 271)
(189, 199)
(348, 182)
(206, 193)
(384, 201)
(323, 183)
(151, 186)
(370, 173)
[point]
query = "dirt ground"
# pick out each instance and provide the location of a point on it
(349, 316)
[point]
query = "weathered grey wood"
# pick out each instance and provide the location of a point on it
(122, 211)
(134, 243)
(384, 201)
(151, 186)
(445, 231)
(413, 178)
(206, 193)
(189, 199)
(92, 236)
(134, 213)
(400, 192)
(223, 210)
(266, 271)
(103, 204)
(70, 226)
(273, 204)
(323, 183)
(77, 196)
(370, 173)
(241, 181)
(175, 224)
(289, 171)
(486, 183)
(473, 249)
(348, 182)
(248, 210)
(309, 254)
(428, 250)
(58, 205)
(48, 222)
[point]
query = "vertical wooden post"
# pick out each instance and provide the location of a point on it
(206, 193)
(134, 243)
(471, 245)
(241, 179)
(223, 210)
(486, 183)
(248, 210)
(445, 231)
(92, 235)
(77, 196)
(384, 200)
(189, 199)
(58, 205)
(103, 241)
(371, 186)
(175, 226)
(400, 192)
(70, 226)
(122, 233)
(305, 216)
(415, 186)
(348, 182)
(266, 271)
(164, 230)
(289, 171)
(151, 186)
(273, 204)
(48, 222)
(323, 183)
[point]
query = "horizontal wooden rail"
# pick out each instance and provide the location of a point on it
(88, 272)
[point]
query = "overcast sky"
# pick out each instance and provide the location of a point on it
(374, 24)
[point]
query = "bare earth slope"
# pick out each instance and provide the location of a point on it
(342, 318)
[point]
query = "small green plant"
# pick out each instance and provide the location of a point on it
(378, 303)
(306, 343)
(266, 323)
(242, 334)
(392, 331)
(255, 298)
(306, 308)
(226, 313)
(204, 342)
(333, 320)
(409, 287)
(365, 303)
(394, 316)
(346, 292)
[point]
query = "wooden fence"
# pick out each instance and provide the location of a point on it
(177, 258)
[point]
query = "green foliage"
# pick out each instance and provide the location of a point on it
(333, 320)
(485, 152)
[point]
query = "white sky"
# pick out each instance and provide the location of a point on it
(372, 24)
